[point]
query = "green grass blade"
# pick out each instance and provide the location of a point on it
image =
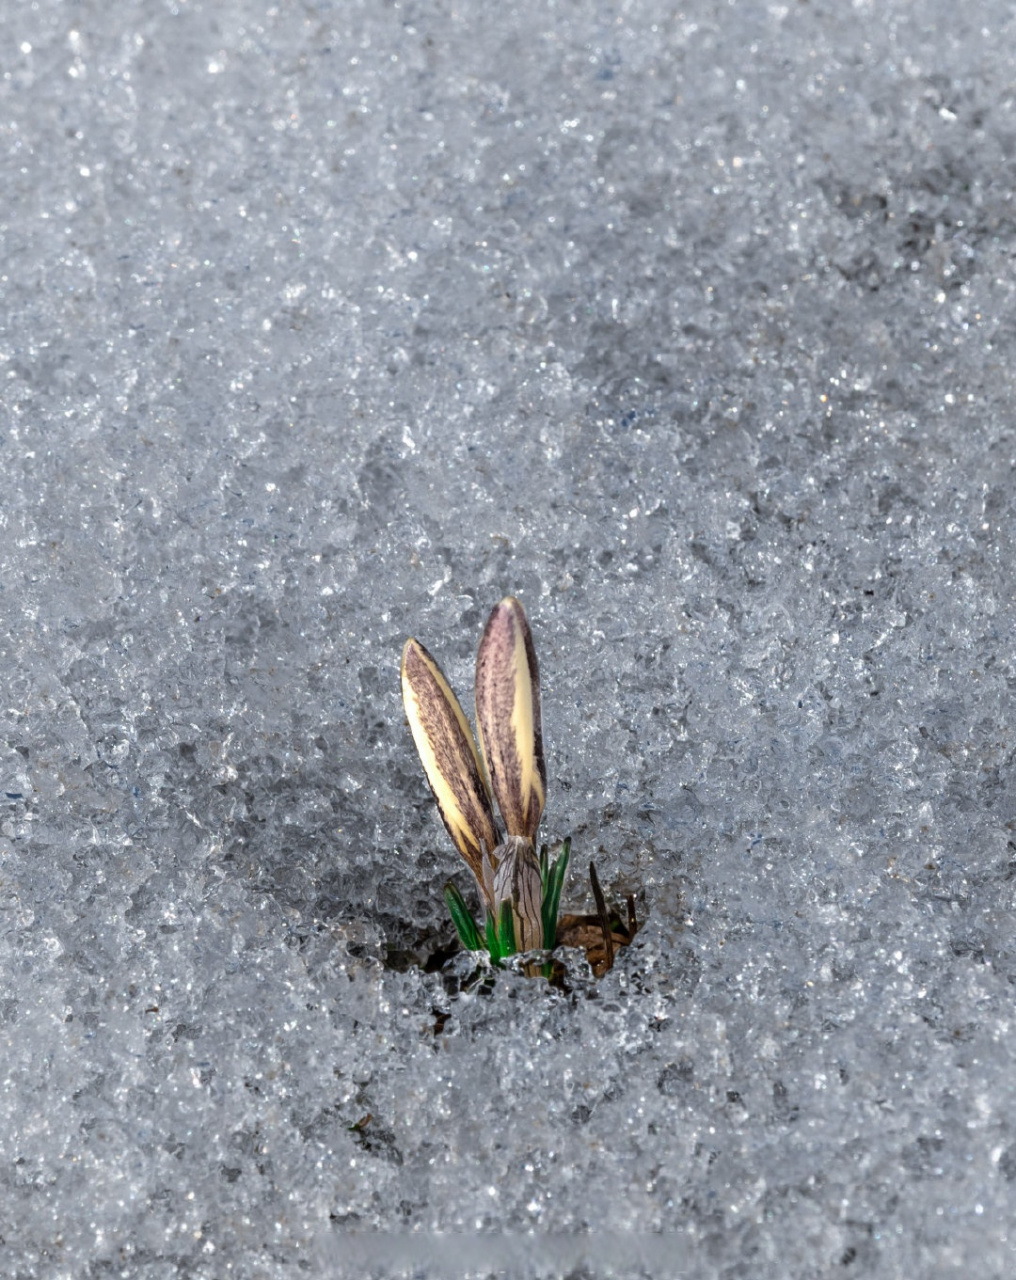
(492, 947)
(506, 931)
(465, 925)
(552, 895)
(604, 914)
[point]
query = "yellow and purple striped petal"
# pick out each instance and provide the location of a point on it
(508, 718)
(449, 756)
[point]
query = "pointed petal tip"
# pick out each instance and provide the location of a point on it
(412, 653)
(410, 647)
(510, 604)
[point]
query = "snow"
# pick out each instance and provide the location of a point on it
(323, 326)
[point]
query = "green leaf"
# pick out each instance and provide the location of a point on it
(465, 925)
(604, 914)
(506, 931)
(492, 946)
(552, 895)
